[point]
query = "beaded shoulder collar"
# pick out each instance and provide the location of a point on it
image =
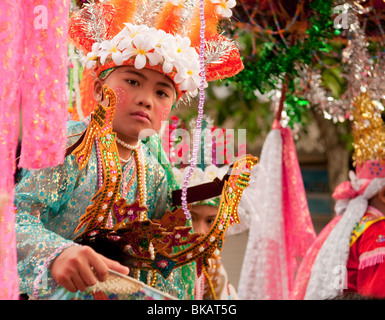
(157, 246)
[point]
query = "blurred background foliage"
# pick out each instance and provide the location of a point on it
(276, 37)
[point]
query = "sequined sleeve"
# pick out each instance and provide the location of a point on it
(159, 191)
(49, 204)
(40, 198)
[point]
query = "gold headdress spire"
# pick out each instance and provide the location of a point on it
(368, 130)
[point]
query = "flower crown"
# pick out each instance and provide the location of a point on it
(159, 35)
(143, 45)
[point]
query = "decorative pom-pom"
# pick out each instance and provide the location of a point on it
(169, 19)
(90, 24)
(211, 22)
(123, 13)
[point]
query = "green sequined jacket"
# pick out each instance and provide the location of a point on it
(50, 202)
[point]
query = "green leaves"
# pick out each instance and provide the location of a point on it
(278, 59)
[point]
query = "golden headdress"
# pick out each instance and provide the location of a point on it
(369, 138)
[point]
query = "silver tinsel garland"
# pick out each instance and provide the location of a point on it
(359, 70)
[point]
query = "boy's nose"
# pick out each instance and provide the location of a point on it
(145, 104)
(144, 99)
(200, 227)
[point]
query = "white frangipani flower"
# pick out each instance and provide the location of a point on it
(131, 31)
(177, 2)
(200, 176)
(167, 64)
(195, 178)
(178, 174)
(162, 37)
(164, 40)
(189, 77)
(212, 171)
(178, 51)
(110, 47)
(91, 58)
(183, 47)
(148, 45)
(142, 47)
(224, 7)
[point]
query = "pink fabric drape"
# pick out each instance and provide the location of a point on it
(281, 230)
(304, 270)
(299, 230)
(33, 69)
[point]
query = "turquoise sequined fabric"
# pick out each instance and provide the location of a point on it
(50, 202)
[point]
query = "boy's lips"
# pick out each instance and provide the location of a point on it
(141, 114)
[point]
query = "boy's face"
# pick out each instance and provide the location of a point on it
(203, 217)
(144, 99)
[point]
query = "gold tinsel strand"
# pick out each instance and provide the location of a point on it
(368, 130)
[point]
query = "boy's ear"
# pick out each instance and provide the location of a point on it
(98, 89)
(381, 195)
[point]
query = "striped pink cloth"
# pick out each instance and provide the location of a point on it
(33, 68)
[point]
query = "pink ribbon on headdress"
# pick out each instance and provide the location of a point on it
(350, 189)
(33, 68)
(365, 173)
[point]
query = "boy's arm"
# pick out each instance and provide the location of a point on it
(47, 259)
(39, 196)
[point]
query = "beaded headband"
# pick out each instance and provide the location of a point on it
(159, 35)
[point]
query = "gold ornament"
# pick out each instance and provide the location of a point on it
(367, 130)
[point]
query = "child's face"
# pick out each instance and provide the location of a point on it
(203, 216)
(144, 99)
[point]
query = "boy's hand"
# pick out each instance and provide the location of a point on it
(80, 267)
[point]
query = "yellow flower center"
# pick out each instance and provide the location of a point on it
(141, 51)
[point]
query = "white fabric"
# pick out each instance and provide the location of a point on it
(265, 250)
(328, 278)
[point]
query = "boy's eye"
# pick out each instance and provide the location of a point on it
(162, 93)
(132, 82)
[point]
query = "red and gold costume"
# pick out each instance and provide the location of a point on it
(347, 256)
(365, 264)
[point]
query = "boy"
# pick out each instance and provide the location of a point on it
(53, 204)
(213, 284)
